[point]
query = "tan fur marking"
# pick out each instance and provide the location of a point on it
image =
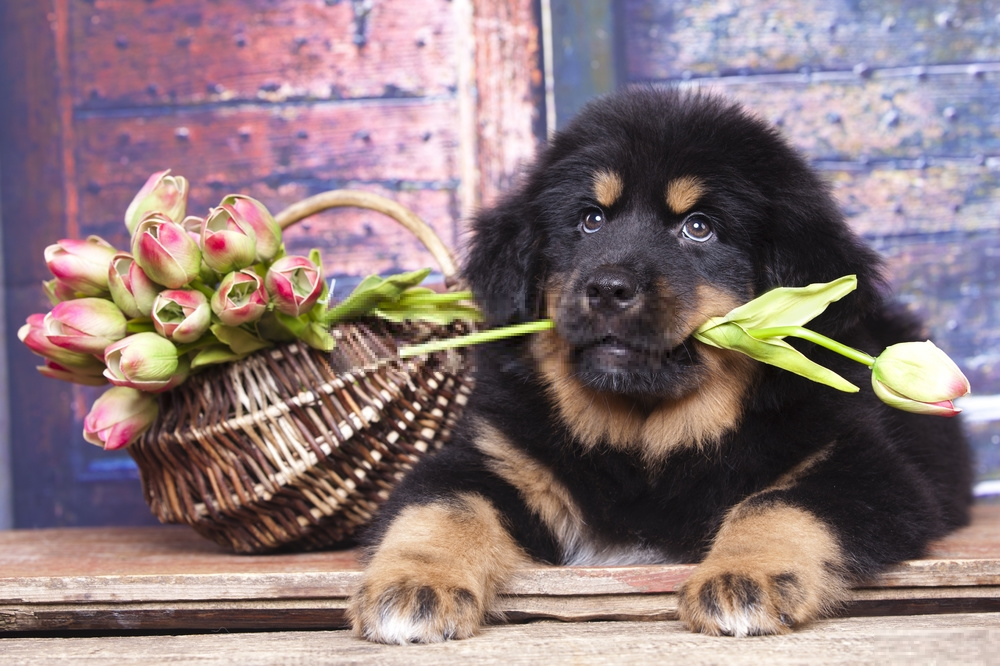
(552, 502)
(697, 419)
(539, 488)
(792, 476)
(769, 569)
(436, 573)
(608, 187)
(683, 193)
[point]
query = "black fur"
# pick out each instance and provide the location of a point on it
(891, 483)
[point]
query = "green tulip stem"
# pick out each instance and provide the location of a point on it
(140, 325)
(476, 338)
(814, 337)
(198, 285)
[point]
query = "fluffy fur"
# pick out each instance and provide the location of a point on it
(616, 438)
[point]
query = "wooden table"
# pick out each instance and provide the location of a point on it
(87, 594)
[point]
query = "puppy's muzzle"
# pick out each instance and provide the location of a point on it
(612, 290)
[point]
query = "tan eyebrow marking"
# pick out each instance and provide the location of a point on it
(607, 188)
(683, 193)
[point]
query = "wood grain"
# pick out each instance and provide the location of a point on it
(664, 39)
(890, 114)
(186, 52)
(168, 578)
(967, 638)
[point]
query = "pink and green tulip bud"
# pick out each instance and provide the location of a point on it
(58, 291)
(85, 325)
(918, 377)
(240, 299)
(181, 315)
(227, 243)
(192, 225)
(162, 193)
(81, 265)
(131, 289)
(33, 335)
(145, 361)
(294, 284)
(165, 251)
(92, 377)
(119, 417)
(250, 213)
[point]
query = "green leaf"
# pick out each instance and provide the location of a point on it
(214, 355)
(318, 336)
(773, 351)
(270, 327)
(790, 306)
(373, 292)
(239, 340)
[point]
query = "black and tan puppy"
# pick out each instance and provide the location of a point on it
(617, 438)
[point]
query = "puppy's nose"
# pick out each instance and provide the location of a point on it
(612, 289)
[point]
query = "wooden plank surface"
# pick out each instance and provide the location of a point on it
(959, 639)
(169, 578)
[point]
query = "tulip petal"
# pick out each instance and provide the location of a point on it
(939, 408)
(791, 306)
(118, 417)
(773, 351)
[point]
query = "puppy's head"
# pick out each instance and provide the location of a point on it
(651, 212)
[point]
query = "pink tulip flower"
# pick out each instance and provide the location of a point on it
(33, 335)
(252, 214)
(119, 417)
(58, 291)
(131, 289)
(294, 284)
(163, 194)
(918, 377)
(81, 265)
(241, 298)
(227, 242)
(91, 377)
(181, 315)
(145, 361)
(85, 325)
(165, 251)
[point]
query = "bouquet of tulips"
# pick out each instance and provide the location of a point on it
(192, 292)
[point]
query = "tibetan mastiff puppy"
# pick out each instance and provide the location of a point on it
(617, 438)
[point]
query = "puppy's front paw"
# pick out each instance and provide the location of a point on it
(768, 571)
(741, 601)
(435, 574)
(410, 611)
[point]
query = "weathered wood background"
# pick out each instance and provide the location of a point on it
(437, 103)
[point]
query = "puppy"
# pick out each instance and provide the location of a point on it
(617, 438)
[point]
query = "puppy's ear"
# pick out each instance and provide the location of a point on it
(501, 264)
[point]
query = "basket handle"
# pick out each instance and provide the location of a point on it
(359, 199)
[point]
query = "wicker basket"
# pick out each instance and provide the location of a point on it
(293, 448)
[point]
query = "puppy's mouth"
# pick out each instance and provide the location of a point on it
(613, 354)
(617, 365)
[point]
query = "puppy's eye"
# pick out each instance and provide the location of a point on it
(592, 220)
(697, 227)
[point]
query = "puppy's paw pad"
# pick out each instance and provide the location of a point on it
(409, 612)
(744, 603)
